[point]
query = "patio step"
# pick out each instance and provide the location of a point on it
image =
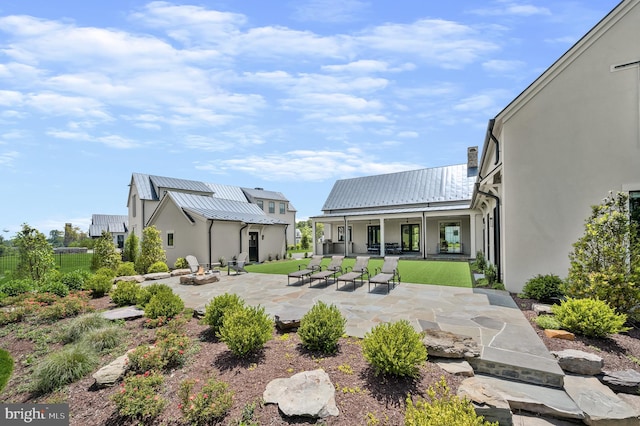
(519, 366)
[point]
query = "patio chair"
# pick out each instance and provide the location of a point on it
(359, 270)
(312, 266)
(387, 274)
(238, 264)
(194, 265)
(334, 268)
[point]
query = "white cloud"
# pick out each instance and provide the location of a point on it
(335, 11)
(499, 66)
(511, 8)
(11, 98)
(7, 158)
(487, 102)
(112, 141)
(408, 134)
(55, 104)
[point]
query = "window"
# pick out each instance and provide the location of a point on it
(260, 204)
(341, 233)
(170, 239)
(282, 208)
(120, 239)
(272, 206)
(450, 237)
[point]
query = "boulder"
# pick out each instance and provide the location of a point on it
(486, 401)
(125, 313)
(308, 394)
(456, 367)
(157, 276)
(626, 381)
(200, 279)
(180, 272)
(111, 373)
(445, 344)
(579, 362)
(289, 318)
(559, 334)
(132, 278)
(541, 309)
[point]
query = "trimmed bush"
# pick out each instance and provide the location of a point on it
(99, 285)
(246, 329)
(54, 287)
(543, 287)
(164, 304)
(16, 287)
(548, 322)
(107, 272)
(63, 367)
(149, 291)
(321, 328)
(158, 267)
(81, 325)
(395, 349)
(442, 408)
(126, 269)
(181, 263)
(215, 310)
(589, 317)
(75, 279)
(138, 397)
(210, 405)
(125, 293)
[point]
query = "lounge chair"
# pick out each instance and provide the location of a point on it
(194, 265)
(387, 274)
(334, 268)
(360, 268)
(238, 264)
(312, 267)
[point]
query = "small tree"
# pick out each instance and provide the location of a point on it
(35, 254)
(605, 262)
(131, 248)
(105, 254)
(151, 250)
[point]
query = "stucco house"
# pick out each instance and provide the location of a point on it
(419, 213)
(209, 220)
(117, 225)
(559, 147)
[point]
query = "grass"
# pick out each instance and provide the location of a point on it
(6, 368)
(447, 273)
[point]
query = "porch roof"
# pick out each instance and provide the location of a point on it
(379, 212)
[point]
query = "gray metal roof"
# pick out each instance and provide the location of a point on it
(222, 209)
(180, 184)
(108, 222)
(143, 185)
(376, 212)
(410, 188)
(97, 219)
(228, 192)
(261, 193)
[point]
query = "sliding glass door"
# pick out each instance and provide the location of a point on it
(450, 237)
(410, 237)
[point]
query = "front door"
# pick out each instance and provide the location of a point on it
(253, 246)
(410, 237)
(450, 237)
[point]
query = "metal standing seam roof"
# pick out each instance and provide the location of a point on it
(108, 222)
(423, 186)
(181, 184)
(267, 195)
(143, 185)
(222, 209)
(228, 192)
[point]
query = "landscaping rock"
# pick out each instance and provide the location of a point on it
(455, 367)
(308, 394)
(632, 401)
(579, 362)
(486, 401)
(131, 278)
(627, 381)
(450, 345)
(200, 279)
(289, 319)
(541, 309)
(111, 373)
(180, 272)
(559, 334)
(157, 276)
(125, 313)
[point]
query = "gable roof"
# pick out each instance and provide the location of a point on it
(221, 209)
(108, 222)
(449, 184)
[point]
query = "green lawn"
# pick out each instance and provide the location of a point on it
(6, 368)
(455, 274)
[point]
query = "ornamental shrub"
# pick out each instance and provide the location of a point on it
(246, 329)
(321, 328)
(164, 304)
(107, 272)
(548, 322)
(543, 287)
(63, 367)
(35, 254)
(151, 250)
(181, 263)
(99, 285)
(207, 406)
(125, 293)
(103, 339)
(17, 286)
(54, 287)
(105, 254)
(214, 311)
(75, 279)
(131, 248)
(589, 317)
(395, 349)
(79, 326)
(173, 349)
(126, 269)
(442, 408)
(146, 358)
(158, 267)
(149, 291)
(138, 397)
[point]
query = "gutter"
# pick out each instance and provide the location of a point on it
(210, 243)
(240, 235)
(497, 225)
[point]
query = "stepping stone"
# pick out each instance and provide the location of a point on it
(632, 401)
(559, 334)
(542, 309)
(125, 313)
(445, 344)
(157, 276)
(627, 381)
(308, 394)
(523, 420)
(601, 406)
(579, 362)
(180, 272)
(455, 366)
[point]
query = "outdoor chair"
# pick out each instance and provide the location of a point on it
(359, 270)
(334, 268)
(312, 267)
(238, 264)
(194, 265)
(387, 274)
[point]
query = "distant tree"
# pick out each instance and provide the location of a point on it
(70, 234)
(151, 250)
(131, 248)
(55, 238)
(35, 254)
(105, 254)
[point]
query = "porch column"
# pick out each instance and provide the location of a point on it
(346, 237)
(472, 230)
(313, 237)
(423, 243)
(382, 251)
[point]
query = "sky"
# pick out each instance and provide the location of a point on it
(287, 95)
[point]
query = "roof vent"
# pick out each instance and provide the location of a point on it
(258, 189)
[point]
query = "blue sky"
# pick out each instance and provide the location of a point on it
(285, 95)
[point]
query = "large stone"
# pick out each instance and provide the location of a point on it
(626, 381)
(157, 276)
(601, 406)
(445, 344)
(125, 313)
(632, 401)
(130, 278)
(308, 394)
(200, 279)
(111, 373)
(289, 318)
(456, 367)
(559, 334)
(579, 362)
(180, 272)
(486, 401)
(541, 309)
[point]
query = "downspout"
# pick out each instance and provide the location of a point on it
(346, 236)
(497, 225)
(240, 234)
(492, 122)
(210, 242)
(286, 243)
